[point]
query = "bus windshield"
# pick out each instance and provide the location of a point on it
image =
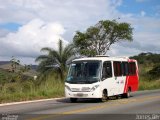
(83, 72)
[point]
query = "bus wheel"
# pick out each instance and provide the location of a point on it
(128, 94)
(104, 96)
(73, 100)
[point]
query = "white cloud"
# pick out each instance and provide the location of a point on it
(120, 50)
(68, 12)
(146, 36)
(73, 15)
(3, 32)
(30, 38)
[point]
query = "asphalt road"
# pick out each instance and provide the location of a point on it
(142, 105)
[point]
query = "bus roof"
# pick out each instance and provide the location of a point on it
(104, 58)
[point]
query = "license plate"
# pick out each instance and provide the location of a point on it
(80, 94)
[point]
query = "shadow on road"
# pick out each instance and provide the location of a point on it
(87, 100)
(84, 100)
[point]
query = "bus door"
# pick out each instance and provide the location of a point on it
(107, 78)
(119, 79)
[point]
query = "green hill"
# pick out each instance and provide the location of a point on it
(149, 70)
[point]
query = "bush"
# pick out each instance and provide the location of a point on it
(155, 72)
(28, 90)
(11, 88)
(149, 85)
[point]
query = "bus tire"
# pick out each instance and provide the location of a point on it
(104, 96)
(127, 94)
(73, 100)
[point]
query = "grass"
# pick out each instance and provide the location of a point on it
(5, 76)
(149, 85)
(147, 82)
(51, 88)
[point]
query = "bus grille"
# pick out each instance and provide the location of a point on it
(83, 89)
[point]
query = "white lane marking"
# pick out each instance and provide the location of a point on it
(31, 101)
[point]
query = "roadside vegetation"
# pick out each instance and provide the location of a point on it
(17, 82)
(29, 90)
(149, 70)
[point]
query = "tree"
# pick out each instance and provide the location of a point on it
(14, 63)
(55, 59)
(98, 39)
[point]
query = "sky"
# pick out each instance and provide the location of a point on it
(26, 26)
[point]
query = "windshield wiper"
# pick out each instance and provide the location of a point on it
(81, 82)
(76, 82)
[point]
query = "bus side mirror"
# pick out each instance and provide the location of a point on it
(103, 77)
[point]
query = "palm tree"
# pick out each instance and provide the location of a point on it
(55, 60)
(14, 64)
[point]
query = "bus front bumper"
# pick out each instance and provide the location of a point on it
(93, 94)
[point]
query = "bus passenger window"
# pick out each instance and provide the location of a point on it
(117, 69)
(124, 66)
(107, 70)
(132, 68)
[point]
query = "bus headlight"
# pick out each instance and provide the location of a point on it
(67, 87)
(94, 87)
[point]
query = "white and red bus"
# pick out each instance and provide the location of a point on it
(101, 77)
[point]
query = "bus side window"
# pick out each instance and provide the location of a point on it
(125, 70)
(132, 68)
(117, 69)
(107, 70)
